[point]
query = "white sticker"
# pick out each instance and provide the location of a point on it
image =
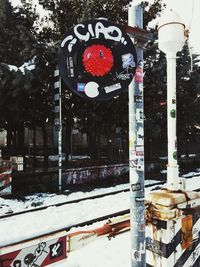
(140, 165)
(139, 115)
(139, 150)
(91, 89)
(112, 88)
(128, 61)
(140, 136)
(140, 87)
(136, 255)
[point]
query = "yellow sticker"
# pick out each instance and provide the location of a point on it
(131, 143)
(187, 237)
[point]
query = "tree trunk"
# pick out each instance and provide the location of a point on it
(92, 146)
(9, 137)
(14, 140)
(20, 140)
(11, 140)
(68, 141)
(98, 145)
(110, 149)
(187, 144)
(34, 148)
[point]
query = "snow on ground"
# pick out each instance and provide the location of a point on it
(44, 199)
(102, 252)
(54, 218)
(114, 252)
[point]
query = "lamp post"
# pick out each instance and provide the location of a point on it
(171, 39)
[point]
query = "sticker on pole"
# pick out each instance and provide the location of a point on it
(186, 229)
(97, 60)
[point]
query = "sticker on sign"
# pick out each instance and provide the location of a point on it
(40, 254)
(99, 54)
(112, 88)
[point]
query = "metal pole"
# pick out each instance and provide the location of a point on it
(136, 150)
(172, 167)
(58, 123)
(171, 38)
(60, 139)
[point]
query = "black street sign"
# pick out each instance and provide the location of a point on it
(97, 60)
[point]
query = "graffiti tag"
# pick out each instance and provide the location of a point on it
(31, 258)
(85, 33)
(124, 76)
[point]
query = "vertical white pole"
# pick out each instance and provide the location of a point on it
(136, 150)
(172, 167)
(60, 139)
(171, 38)
(58, 122)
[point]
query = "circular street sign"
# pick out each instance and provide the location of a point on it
(97, 60)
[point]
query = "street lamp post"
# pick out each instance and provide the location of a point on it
(171, 40)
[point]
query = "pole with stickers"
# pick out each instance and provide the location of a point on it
(58, 122)
(136, 147)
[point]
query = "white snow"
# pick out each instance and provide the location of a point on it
(26, 66)
(54, 218)
(102, 252)
(13, 68)
(44, 199)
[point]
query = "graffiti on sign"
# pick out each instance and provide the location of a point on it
(31, 259)
(56, 250)
(124, 75)
(103, 42)
(36, 255)
(17, 263)
(85, 33)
